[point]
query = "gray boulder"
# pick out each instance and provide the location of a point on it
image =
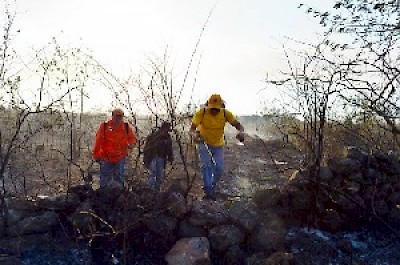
(190, 251)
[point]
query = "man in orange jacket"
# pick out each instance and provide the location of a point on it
(113, 139)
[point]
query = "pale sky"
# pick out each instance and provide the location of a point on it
(240, 44)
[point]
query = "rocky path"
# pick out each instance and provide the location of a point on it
(253, 165)
(257, 164)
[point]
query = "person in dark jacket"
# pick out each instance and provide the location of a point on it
(157, 151)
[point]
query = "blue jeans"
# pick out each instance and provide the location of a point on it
(156, 173)
(108, 170)
(211, 173)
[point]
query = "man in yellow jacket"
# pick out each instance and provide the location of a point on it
(207, 129)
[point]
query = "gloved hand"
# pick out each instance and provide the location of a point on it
(240, 136)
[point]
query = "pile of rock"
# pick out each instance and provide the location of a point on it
(181, 230)
(349, 191)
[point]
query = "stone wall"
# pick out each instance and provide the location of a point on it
(350, 191)
(181, 230)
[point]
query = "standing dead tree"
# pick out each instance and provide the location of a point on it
(314, 86)
(160, 96)
(31, 90)
(370, 32)
(156, 94)
(355, 68)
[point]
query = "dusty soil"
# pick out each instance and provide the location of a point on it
(267, 163)
(255, 164)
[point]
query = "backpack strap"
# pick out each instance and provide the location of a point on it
(105, 124)
(104, 130)
(204, 113)
(126, 127)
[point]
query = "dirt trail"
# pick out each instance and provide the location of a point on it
(252, 165)
(259, 163)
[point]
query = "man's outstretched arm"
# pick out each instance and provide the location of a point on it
(240, 128)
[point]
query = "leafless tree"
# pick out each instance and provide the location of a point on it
(33, 91)
(370, 32)
(354, 69)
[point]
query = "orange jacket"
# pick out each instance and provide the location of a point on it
(111, 143)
